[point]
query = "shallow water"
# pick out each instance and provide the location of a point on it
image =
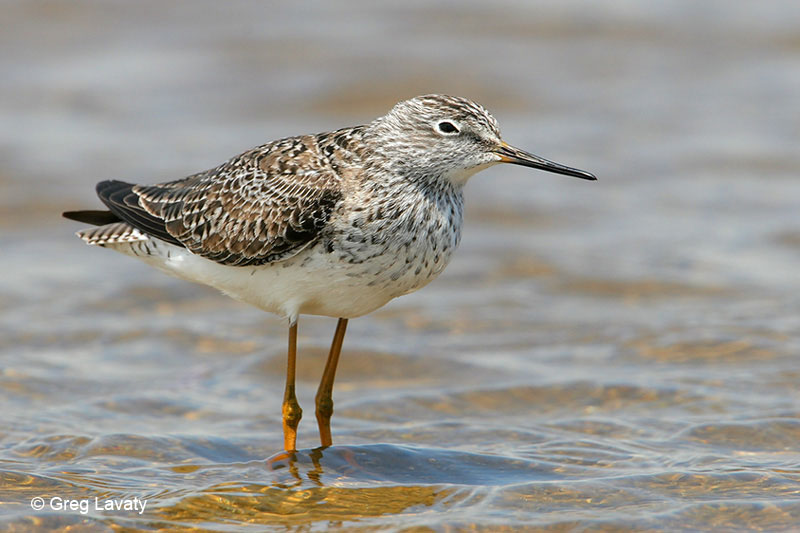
(619, 355)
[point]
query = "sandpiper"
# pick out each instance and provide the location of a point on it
(334, 224)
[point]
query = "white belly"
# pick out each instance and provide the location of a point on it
(312, 282)
(362, 260)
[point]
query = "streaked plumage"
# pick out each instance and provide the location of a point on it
(333, 224)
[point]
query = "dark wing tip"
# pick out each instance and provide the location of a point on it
(96, 218)
(123, 202)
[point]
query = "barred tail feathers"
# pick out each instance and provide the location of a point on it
(117, 233)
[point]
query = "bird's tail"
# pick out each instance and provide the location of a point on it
(110, 230)
(116, 233)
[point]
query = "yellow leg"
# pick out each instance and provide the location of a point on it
(291, 409)
(324, 398)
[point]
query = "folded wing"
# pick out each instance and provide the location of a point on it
(265, 205)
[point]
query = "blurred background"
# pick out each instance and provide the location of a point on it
(611, 355)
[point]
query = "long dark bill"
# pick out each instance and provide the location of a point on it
(509, 154)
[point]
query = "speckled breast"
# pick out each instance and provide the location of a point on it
(397, 242)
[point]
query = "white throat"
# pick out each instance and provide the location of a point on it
(460, 176)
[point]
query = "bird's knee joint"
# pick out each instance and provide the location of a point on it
(292, 413)
(325, 407)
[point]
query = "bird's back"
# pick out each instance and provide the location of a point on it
(263, 205)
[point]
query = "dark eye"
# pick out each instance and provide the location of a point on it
(447, 127)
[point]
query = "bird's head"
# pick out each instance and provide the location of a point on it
(438, 136)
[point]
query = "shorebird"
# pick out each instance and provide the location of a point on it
(334, 224)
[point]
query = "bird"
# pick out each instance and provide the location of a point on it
(335, 224)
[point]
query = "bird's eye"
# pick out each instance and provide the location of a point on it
(447, 127)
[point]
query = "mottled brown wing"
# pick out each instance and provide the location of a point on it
(262, 206)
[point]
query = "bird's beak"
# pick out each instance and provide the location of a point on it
(509, 154)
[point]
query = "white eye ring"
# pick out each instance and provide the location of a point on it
(447, 127)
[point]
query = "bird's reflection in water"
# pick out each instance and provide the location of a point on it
(390, 463)
(291, 462)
